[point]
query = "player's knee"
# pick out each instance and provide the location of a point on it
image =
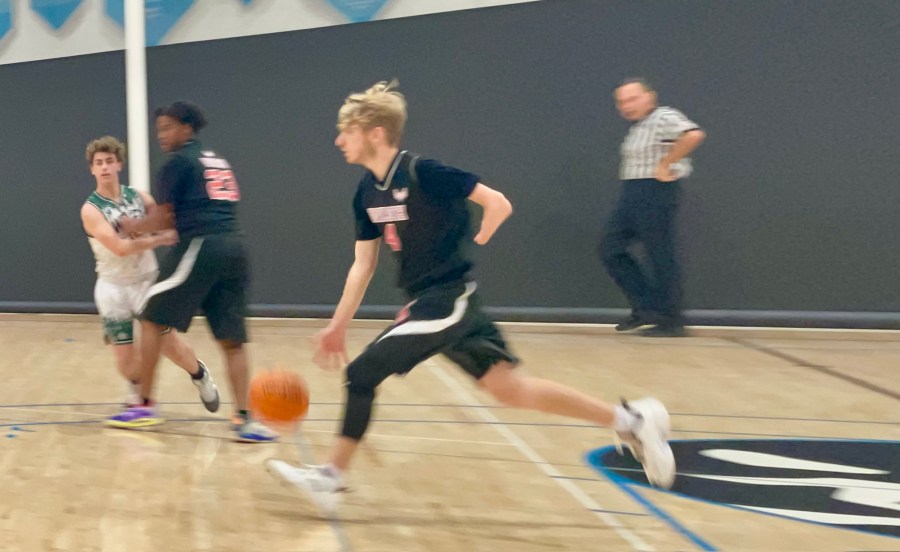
(369, 369)
(360, 396)
(124, 354)
(360, 380)
(504, 385)
(231, 344)
(509, 395)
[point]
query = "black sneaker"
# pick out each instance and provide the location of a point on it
(664, 330)
(635, 320)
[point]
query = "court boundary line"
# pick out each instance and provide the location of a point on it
(591, 458)
(463, 422)
(549, 470)
(607, 471)
(14, 406)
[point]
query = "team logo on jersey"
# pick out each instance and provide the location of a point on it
(391, 213)
(114, 215)
(845, 484)
(400, 194)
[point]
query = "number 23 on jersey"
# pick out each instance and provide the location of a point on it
(221, 185)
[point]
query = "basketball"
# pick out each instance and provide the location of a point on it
(278, 397)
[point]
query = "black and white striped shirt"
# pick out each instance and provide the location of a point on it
(650, 139)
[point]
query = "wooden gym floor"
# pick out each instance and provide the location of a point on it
(443, 468)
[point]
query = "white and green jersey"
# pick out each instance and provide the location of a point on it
(130, 268)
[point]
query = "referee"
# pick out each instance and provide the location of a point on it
(654, 161)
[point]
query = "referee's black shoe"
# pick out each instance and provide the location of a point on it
(665, 329)
(635, 320)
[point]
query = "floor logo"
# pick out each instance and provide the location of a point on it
(848, 484)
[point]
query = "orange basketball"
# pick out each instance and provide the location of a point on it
(279, 396)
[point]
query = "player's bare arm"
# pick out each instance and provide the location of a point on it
(496, 210)
(96, 225)
(331, 350)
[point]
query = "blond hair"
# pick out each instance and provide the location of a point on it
(379, 106)
(105, 144)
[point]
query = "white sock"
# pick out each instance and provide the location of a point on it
(625, 420)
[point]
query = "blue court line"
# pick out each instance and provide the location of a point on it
(100, 421)
(593, 457)
(618, 513)
(25, 405)
(492, 407)
(473, 422)
(624, 485)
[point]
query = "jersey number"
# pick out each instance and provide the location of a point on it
(221, 185)
(391, 237)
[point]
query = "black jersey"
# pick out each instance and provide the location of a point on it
(202, 190)
(420, 210)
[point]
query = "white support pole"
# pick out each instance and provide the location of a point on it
(136, 95)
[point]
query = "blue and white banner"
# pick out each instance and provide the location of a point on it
(60, 28)
(55, 12)
(358, 11)
(5, 17)
(115, 9)
(161, 16)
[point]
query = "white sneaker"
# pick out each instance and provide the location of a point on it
(648, 441)
(255, 432)
(209, 393)
(321, 488)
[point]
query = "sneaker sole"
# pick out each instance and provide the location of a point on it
(146, 422)
(667, 482)
(211, 406)
(240, 439)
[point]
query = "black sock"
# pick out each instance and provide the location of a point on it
(200, 372)
(146, 402)
(244, 414)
